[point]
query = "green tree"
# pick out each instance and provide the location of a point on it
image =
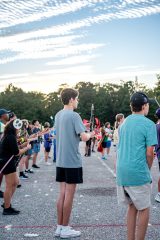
(108, 99)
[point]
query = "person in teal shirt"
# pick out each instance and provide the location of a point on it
(137, 138)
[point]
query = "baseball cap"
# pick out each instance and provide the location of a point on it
(158, 113)
(139, 99)
(3, 111)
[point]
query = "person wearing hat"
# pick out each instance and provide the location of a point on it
(4, 115)
(157, 149)
(137, 138)
(9, 155)
(4, 118)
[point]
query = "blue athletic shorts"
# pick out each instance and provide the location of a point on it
(108, 144)
(36, 147)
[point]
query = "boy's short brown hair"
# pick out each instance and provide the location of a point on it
(67, 94)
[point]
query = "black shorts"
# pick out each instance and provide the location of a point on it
(47, 149)
(10, 168)
(88, 143)
(104, 144)
(69, 175)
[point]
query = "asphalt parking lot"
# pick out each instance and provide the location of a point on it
(95, 213)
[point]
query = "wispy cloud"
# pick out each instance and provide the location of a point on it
(34, 41)
(34, 10)
(130, 67)
(57, 32)
(13, 76)
(68, 71)
(52, 52)
(72, 60)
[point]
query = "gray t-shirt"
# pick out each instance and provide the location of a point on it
(68, 126)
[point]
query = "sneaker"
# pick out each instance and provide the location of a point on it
(19, 185)
(68, 232)
(10, 211)
(157, 198)
(47, 163)
(23, 176)
(58, 231)
(1, 194)
(35, 166)
(29, 171)
(103, 158)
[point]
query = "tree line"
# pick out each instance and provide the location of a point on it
(108, 99)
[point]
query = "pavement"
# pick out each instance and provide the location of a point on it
(95, 212)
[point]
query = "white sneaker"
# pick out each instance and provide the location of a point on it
(157, 198)
(47, 163)
(58, 231)
(67, 232)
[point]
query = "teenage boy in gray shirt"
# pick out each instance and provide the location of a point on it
(69, 130)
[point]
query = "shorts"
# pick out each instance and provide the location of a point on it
(36, 147)
(140, 196)
(88, 143)
(69, 175)
(29, 152)
(106, 144)
(10, 168)
(48, 149)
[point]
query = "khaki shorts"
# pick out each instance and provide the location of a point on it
(140, 196)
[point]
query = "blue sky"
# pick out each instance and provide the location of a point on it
(46, 43)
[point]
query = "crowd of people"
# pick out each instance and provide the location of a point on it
(20, 140)
(135, 138)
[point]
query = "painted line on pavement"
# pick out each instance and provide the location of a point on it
(108, 168)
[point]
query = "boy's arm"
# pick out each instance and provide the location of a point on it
(86, 136)
(150, 155)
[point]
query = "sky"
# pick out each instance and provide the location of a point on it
(45, 43)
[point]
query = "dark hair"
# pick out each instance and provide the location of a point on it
(34, 121)
(106, 124)
(67, 94)
(46, 125)
(9, 129)
(25, 124)
(136, 108)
